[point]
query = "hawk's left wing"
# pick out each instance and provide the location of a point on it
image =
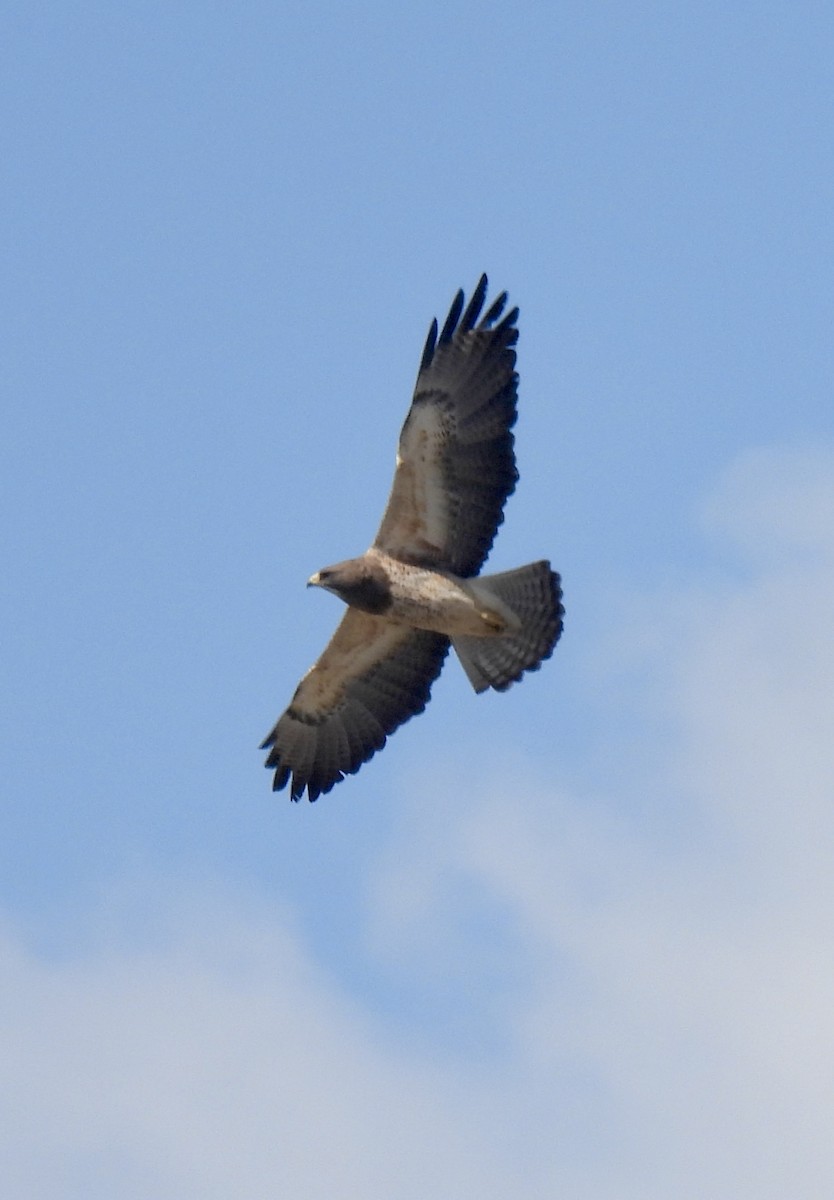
(456, 463)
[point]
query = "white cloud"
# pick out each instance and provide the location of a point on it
(668, 1026)
(221, 1063)
(691, 979)
(776, 503)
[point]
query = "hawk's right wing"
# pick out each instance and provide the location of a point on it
(372, 677)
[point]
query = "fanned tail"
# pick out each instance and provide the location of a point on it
(534, 594)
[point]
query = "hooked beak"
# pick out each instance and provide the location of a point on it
(314, 580)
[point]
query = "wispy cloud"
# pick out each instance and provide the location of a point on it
(219, 1061)
(666, 1009)
(688, 979)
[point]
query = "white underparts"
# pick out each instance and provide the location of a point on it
(426, 599)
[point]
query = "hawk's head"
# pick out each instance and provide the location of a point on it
(360, 583)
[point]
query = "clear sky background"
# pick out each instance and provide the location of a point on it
(575, 940)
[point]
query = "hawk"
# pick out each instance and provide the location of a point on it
(417, 589)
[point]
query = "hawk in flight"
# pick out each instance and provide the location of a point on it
(417, 589)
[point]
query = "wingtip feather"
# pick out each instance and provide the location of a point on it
(474, 306)
(452, 319)
(428, 349)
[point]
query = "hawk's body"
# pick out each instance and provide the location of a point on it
(415, 589)
(422, 598)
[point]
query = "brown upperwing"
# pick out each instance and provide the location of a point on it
(456, 462)
(371, 678)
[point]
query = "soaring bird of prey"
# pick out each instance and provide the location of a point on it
(417, 589)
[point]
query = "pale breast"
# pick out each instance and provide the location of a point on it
(426, 599)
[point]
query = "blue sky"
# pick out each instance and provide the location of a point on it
(571, 940)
